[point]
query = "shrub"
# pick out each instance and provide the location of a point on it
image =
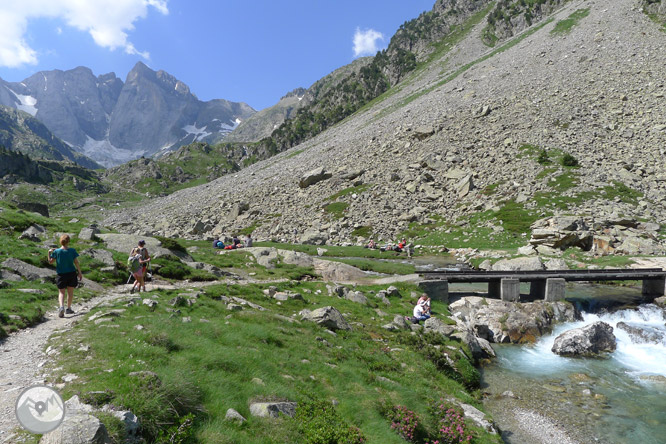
(406, 423)
(569, 161)
(543, 158)
(318, 422)
(451, 427)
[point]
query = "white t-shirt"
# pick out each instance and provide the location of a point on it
(418, 311)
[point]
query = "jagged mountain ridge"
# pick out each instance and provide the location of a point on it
(453, 141)
(113, 121)
(21, 132)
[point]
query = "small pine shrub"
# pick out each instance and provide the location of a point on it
(318, 422)
(569, 161)
(543, 158)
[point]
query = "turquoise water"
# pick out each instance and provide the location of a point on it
(621, 399)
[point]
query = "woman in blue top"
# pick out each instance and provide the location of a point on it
(67, 266)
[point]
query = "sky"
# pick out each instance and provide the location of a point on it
(243, 51)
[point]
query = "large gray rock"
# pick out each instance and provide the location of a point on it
(34, 233)
(328, 317)
(88, 233)
(480, 348)
(78, 428)
(337, 271)
(125, 242)
(103, 256)
(272, 409)
(313, 177)
(266, 257)
(30, 272)
(438, 326)
(314, 237)
(590, 340)
(502, 322)
(643, 335)
(519, 263)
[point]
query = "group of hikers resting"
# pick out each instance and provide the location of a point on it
(234, 244)
(399, 247)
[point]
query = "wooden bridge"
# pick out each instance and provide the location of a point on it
(544, 284)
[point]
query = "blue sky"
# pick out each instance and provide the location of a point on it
(249, 51)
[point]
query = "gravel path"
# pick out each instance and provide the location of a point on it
(22, 357)
(540, 429)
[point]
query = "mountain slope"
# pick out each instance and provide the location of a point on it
(455, 148)
(111, 121)
(25, 134)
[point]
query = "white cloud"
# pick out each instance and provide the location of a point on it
(366, 42)
(107, 22)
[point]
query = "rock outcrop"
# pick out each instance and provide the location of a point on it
(328, 317)
(591, 340)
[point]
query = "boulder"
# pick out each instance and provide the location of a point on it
(103, 256)
(643, 335)
(328, 317)
(125, 242)
(78, 428)
(9, 276)
(438, 326)
(661, 301)
(423, 132)
(314, 237)
(30, 272)
(33, 233)
(501, 321)
(519, 263)
(89, 233)
(233, 415)
(266, 257)
(313, 177)
(337, 271)
(590, 340)
(479, 347)
(272, 409)
(356, 296)
(34, 208)
(296, 258)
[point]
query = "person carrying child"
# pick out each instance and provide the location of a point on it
(67, 266)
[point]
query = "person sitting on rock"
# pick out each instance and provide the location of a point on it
(424, 301)
(236, 242)
(248, 241)
(420, 313)
(372, 245)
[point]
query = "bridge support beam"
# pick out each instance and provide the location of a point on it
(510, 290)
(538, 289)
(555, 289)
(437, 290)
(654, 287)
(494, 289)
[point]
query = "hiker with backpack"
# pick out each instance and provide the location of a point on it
(139, 258)
(67, 266)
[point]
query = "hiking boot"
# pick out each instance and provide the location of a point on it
(69, 311)
(61, 312)
(132, 290)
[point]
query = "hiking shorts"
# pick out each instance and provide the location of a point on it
(138, 274)
(67, 280)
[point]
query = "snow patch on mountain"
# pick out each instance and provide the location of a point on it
(106, 154)
(199, 133)
(26, 103)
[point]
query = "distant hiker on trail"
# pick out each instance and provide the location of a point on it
(248, 241)
(67, 266)
(142, 251)
(136, 268)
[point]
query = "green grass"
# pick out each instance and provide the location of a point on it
(336, 209)
(210, 366)
(565, 26)
(388, 267)
(347, 191)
